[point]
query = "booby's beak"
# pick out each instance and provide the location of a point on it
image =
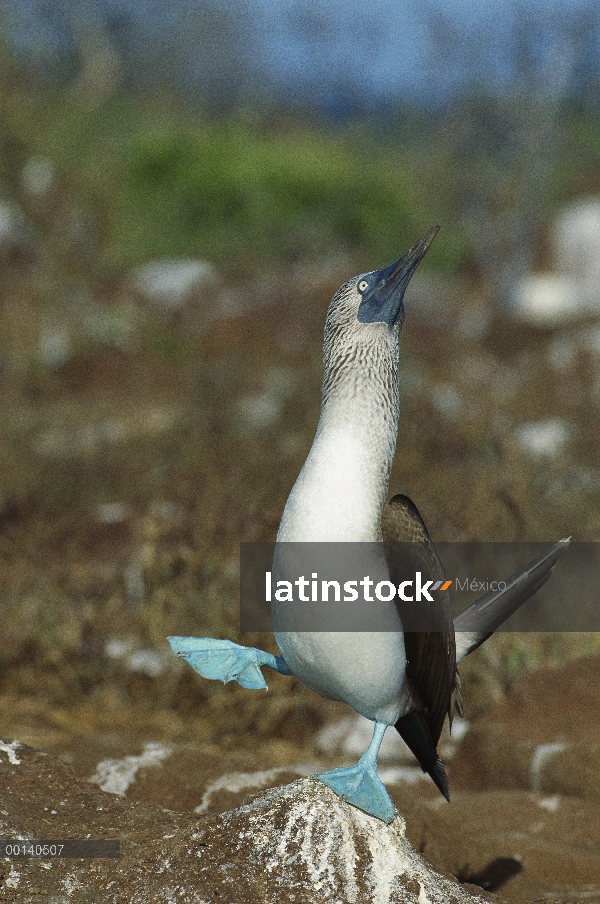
(383, 298)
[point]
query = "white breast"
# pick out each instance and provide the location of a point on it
(338, 497)
(366, 671)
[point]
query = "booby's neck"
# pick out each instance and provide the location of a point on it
(342, 488)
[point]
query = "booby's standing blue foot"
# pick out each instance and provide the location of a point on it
(360, 785)
(223, 660)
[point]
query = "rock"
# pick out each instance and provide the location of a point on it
(543, 737)
(314, 847)
(299, 843)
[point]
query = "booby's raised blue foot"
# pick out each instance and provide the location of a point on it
(360, 785)
(223, 660)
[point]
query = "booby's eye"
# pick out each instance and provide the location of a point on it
(363, 284)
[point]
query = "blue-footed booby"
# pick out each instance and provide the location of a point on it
(408, 679)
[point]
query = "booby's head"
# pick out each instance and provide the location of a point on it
(366, 315)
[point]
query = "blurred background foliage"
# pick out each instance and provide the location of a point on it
(147, 431)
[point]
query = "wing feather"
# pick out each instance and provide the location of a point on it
(431, 655)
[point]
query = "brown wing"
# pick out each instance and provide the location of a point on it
(431, 656)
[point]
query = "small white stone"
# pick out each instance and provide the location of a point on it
(111, 512)
(260, 411)
(9, 750)
(562, 353)
(447, 400)
(543, 753)
(543, 438)
(577, 239)
(551, 804)
(149, 662)
(117, 648)
(169, 284)
(10, 224)
(166, 510)
(13, 879)
(54, 345)
(547, 298)
(38, 175)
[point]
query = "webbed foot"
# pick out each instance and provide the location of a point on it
(361, 786)
(223, 660)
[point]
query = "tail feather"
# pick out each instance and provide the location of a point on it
(479, 621)
(414, 731)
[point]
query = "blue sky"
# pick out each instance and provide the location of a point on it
(326, 49)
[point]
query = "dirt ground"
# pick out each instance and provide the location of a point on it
(132, 469)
